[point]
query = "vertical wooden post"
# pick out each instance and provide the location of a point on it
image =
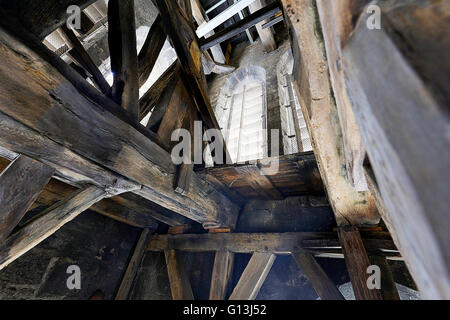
(179, 281)
(388, 288)
(357, 263)
(221, 275)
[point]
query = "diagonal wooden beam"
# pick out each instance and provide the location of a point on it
(178, 278)
(162, 87)
(150, 51)
(185, 42)
(221, 275)
(20, 185)
(133, 266)
(64, 129)
(323, 285)
(47, 223)
(85, 60)
(253, 276)
(357, 263)
(123, 53)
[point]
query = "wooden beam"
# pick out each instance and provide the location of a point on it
(320, 281)
(312, 86)
(20, 184)
(210, 66)
(133, 266)
(266, 36)
(123, 53)
(388, 287)
(85, 60)
(357, 263)
(186, 46)
(412, 184)
(279, 243)
(177, 108)
(103, 149)
(47, 223)
(201, 17)
(151, 50)
(242, 25)
(221, 275)
(179, 281)
(253, 276)
(222, 17)
(162, 87)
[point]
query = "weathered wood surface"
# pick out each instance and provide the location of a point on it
(404, 124)
(242, 25)
(85, 60)
(96, 138)
(20, 185)
(178, 278)
(337, 18)
(320, 281)
(312, 84)
(184, 40)
(388, 288)
(221, 275)
(158, 96)
(47, 223)
(291, 175)
(357, 263)
(253, 276)
(150, 50)
(123, 53)
(266, 36)
(133, 266)
(280, 243)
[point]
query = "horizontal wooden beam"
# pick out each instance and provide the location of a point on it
(242, 25)
(109, 148)
(280, 243)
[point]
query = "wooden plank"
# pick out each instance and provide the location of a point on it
(393, 141)
(160, 91)
(86, 60)
(221, 275)
(242, 25)
(312, 86)
(266, 36)
(150, 50)
(20, 184)
(259, 182)
(97, 139)
(279, 243)
(133, 266)
(123, 53)
(388, 288)
(201, 17)
(179, 281)
(253, 276)
(323, 285)
(47, 223)
(357, 263)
